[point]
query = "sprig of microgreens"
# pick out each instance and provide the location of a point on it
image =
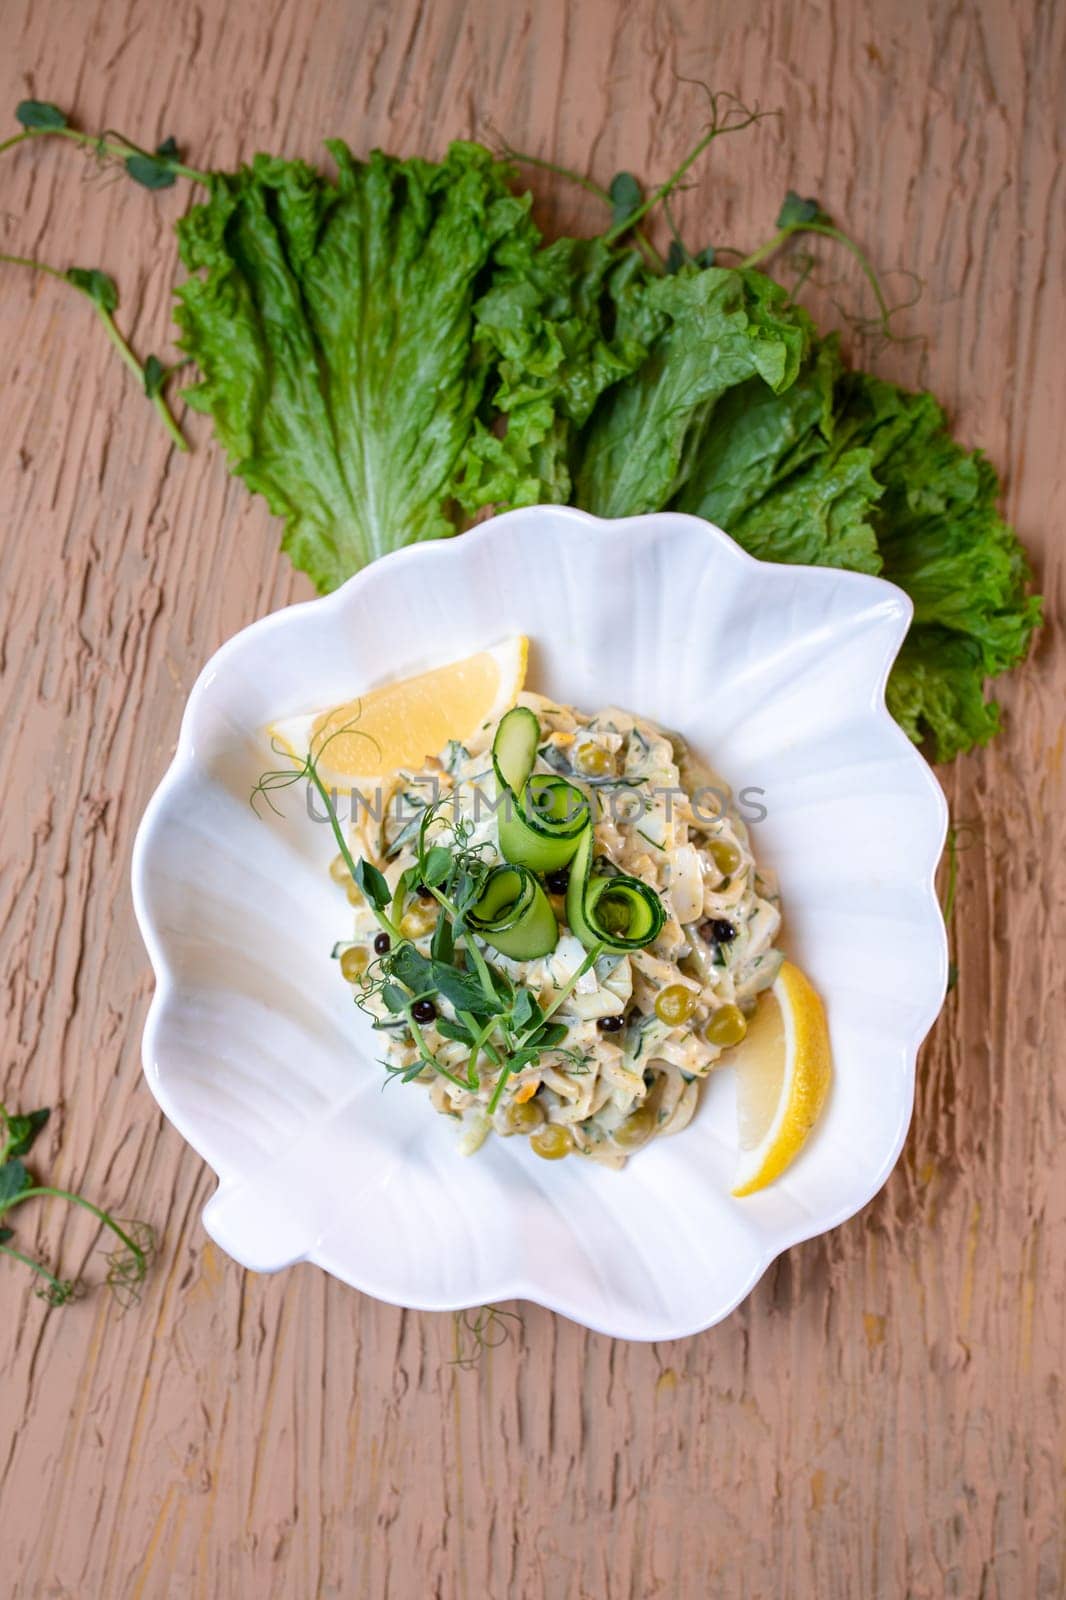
(630, 206)
(493, 1018)
(807, 215)
(399, 997)
(152, 169)
(454, 876)
(506, 1023)
(127, 1264)
(728, 115)
(102, 293)
(625, 195)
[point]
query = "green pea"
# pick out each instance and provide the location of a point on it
(524, 1118)
(594, 761)
(553, 1142)
(636, 1130)
(727, 1026)
(675, 1004)
(725, 856)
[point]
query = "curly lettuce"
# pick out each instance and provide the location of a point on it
(845, 470)
(719, 328)
(392, 353)
(775, 471)
(551, 328)
(942, 540)
(333, 326)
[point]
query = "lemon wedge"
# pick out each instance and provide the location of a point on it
(400, 724)
(783, 1070)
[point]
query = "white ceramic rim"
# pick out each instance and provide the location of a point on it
(515, 1287)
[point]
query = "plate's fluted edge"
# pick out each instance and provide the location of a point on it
(464, 547)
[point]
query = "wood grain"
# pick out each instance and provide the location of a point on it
(884, 1417)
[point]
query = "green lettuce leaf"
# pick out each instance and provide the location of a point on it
(720, 327)
(392, 352)
(757, 438)
(771, 472)
(944, 542)
(937, 689)
(550, 326)
(842, 469)
(333, 327)
(939, 531)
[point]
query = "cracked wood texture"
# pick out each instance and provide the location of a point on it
(884, 1417)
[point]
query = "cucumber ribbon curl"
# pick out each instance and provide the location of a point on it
(514, 915)
(546, 823)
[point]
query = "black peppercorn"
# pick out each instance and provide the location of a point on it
(612, 1024)
(423, 1011)
(382, 942)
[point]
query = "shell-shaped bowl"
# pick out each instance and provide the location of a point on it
(252, 1046)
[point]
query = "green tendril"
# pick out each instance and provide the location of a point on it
(728, 115)
(882, 322)
(56, 1291)
(127, 1265)
(477, 1330)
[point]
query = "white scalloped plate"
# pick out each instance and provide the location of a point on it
(255, 1052)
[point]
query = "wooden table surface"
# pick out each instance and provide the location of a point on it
(884, 1417)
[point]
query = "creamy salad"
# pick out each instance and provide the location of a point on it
(621, 974)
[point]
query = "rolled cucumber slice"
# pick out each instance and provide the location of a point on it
(546, 822)
(618, 912)
(541, 817)
(514, 915)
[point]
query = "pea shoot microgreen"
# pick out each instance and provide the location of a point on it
(152, 169)
(127, 1263)
(799, 215)
(630, 206)
(497, 1021)
(625, 197)
(102, 293)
